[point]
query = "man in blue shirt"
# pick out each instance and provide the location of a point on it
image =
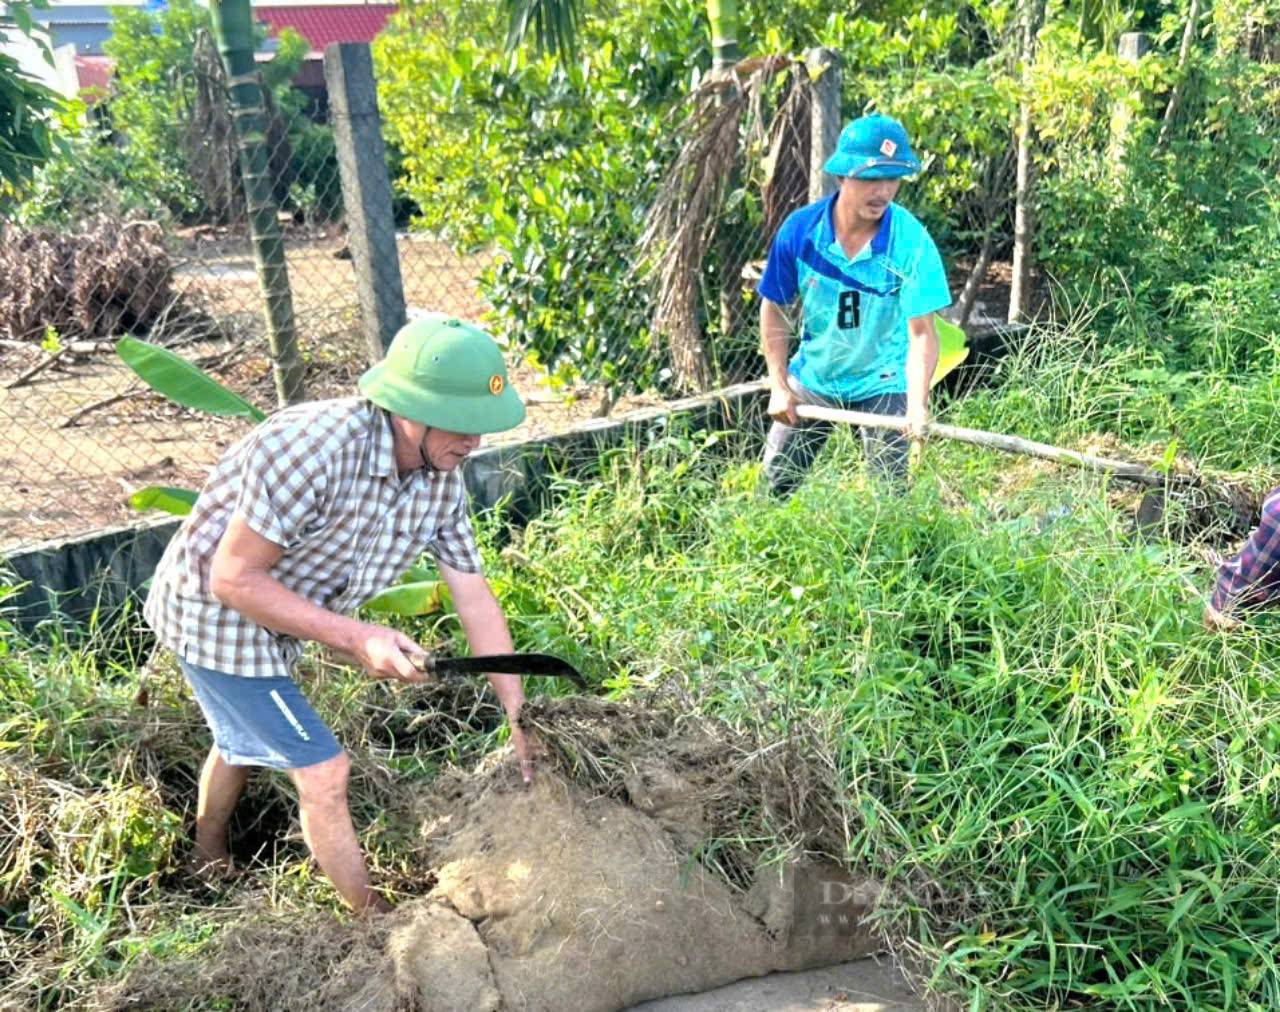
(869, 279)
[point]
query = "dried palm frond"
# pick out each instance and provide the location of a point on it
(786, 185)
(209, 136)
(680, 225)
(107, 277)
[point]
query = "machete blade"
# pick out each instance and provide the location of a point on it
(544, 665)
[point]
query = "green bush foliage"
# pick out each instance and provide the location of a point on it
(551, 169)
(26, 108)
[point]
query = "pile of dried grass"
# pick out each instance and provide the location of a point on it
(736, 796)
(106, 278)
(646, 833)
(300, 961)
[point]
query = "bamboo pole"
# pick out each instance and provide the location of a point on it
(994, 441)
(723, 15)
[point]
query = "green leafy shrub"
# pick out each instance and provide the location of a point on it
(130, 151)
(1180, 233)
(551, 169)
(26, 105)
(93, 176)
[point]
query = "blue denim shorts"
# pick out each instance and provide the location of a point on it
(260, 721)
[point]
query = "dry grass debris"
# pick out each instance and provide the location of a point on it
(657, 852)
(106, 278)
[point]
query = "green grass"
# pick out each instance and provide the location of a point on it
(1070, 787)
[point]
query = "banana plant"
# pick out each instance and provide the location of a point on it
(417, 593)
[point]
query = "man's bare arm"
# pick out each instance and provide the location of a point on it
(775, 345)
(922, 361)
(486, 630)
(241, 578)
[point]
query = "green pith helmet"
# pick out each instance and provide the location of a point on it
(447, 374)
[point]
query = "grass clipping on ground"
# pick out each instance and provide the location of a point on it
(656, 853)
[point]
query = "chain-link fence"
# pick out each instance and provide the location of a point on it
(81, 431)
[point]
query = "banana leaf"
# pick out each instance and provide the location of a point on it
(417, 598)
(177, 501)
(951, 348)
(183, 382)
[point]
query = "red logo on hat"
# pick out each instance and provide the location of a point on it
(887, 148)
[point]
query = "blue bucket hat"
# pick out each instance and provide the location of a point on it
(873, 147)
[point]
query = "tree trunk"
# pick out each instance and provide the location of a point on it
(233, 28)
(1260, 38)
(969, 294)
(1175, 99)
(723, 15)
(1024, 201)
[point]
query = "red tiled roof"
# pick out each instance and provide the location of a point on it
(94, 75)
(321, 24)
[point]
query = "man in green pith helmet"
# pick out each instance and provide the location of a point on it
(319, 508)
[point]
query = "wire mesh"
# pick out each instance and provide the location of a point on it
(81, 431)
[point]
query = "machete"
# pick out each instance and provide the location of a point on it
(503, 664)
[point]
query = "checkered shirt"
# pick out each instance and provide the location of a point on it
(320, 480)
(1252, 578)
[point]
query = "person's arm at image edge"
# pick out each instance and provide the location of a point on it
(1250, 570)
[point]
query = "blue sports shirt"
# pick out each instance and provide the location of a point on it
(853, 339)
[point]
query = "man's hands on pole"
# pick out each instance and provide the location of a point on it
(775, 345)
(922, 361)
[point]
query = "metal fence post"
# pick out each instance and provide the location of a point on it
(824, 70)
(366, 191)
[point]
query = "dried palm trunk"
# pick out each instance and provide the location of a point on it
(680, 226)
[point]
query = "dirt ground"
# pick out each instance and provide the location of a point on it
(82, 434)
